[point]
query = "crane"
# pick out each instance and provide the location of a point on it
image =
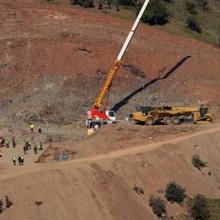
(98, 116)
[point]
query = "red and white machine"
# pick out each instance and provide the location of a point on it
(98, 114)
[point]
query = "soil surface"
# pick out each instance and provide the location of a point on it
(53, 61)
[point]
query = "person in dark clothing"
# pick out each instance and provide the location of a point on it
(25, 149)
(13, 142)
(35, 149)
(29, 145)
(39, 130)
(40, 146)
(22, 160)
(19, 160)
(100, 7)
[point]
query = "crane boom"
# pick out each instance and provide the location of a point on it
(116, 64)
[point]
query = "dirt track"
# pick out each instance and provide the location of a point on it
(110, 177)
(112, 155)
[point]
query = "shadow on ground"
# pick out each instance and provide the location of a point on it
(124, 101)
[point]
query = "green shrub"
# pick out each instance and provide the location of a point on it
(197, 162)
(127, 2)
(193, 25)
(155, 14)
(175, 193)
(158, 206)
(168, 1)
(198, 208)
(190, 7)
(83, 3)
(203, 4)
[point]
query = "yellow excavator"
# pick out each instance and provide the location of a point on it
(166, 115)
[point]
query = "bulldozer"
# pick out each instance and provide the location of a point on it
(150, 115)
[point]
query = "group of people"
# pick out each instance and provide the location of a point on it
(6, 143)
(20, 160)
(28, 146)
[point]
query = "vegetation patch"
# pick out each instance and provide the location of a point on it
(175, 193)
(197, 162)
(214, 208)
(198, 207)
(5, 204)
(158, 206)
(38, 203)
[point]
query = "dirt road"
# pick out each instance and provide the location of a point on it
(34, 167)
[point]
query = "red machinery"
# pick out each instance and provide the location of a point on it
(97, 116)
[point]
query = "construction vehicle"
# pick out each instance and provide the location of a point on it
(98, 115)
(166, 115)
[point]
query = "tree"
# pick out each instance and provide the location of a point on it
(158, 206)
(198, 207)
(156, 13)
(197, 162)
(168, 1)
(175, 193)
(203, 4)
(193, 25)
(127, 2)
(190, 7)
(83, 3)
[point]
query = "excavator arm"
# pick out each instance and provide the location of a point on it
(95, 111)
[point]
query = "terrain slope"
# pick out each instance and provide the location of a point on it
(53, 60)
(101, 187)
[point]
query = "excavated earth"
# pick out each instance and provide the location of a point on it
(53, 60)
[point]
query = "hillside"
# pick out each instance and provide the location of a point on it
(206, 13)
(53, 60)
(208, 20)
(101, 186)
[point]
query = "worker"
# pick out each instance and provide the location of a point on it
(35, 149)
(40, 146)
(13, 142)
(22, 160)
(2, 142)
(29, 145)
(25, 148)
(39, 130)
(19, 160)
(32, 127)
(14, 160)
(7, 143)
(100, 7)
